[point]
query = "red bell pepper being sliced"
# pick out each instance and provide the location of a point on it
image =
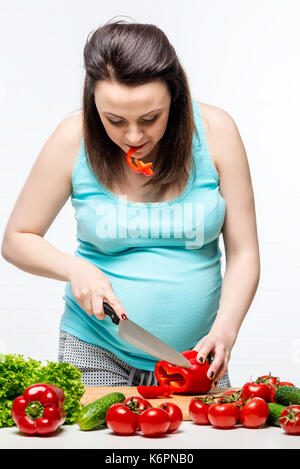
(150, 392)
(39, 410)
(137, 165)
(192, 380)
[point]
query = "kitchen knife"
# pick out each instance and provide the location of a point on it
(142, 339)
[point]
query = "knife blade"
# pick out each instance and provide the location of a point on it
(144, 340)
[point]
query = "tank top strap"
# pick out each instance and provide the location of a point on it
(200, 143)
(80, 159)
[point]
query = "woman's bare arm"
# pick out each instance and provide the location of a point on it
(240, 237)
(242, 271)
(43, 195)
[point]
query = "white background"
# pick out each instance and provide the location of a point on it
(242, 56)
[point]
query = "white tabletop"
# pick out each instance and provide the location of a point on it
(188, 436)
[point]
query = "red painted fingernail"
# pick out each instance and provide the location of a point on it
(211, 374)
(123, 316)
(201, 360)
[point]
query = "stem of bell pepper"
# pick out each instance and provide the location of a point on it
(34, 410)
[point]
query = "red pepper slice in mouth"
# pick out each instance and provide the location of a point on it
(137, 165)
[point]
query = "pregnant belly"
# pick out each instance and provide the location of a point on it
(174, 294)
(177, 310)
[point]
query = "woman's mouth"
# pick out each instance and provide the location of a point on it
(139, 147)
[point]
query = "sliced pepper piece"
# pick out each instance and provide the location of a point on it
(137, 165)
(192, 380)
(150, 392)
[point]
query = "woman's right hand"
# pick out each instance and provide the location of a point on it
(90, 287)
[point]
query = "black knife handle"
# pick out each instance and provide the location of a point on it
(111, 313)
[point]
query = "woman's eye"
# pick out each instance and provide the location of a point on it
(151, 120)
(114, 123)
(144, 120)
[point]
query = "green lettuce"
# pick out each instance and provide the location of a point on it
(18, 372)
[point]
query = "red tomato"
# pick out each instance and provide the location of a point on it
(175, 415)
(250, 390)
(290, 420)
(137, 403)
(254, 413)
(154, 421)
(268, 379)
(198, 410)
(271, 381)
(223, 415)
(121, 420)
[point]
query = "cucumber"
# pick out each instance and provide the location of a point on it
(93, 415)
(275, 411)
(287, 395)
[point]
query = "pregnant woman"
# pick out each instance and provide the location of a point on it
(148, 244)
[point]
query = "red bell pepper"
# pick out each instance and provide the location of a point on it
(149, 392)
(39, 410)
(137, 165)
(192, 380)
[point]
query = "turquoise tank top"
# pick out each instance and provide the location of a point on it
(162, 258)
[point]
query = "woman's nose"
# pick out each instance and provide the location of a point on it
(135, 138)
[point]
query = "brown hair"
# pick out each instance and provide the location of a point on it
(134, 54)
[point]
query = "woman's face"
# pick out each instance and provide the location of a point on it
(134, 116)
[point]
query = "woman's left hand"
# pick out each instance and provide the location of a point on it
(220, 346)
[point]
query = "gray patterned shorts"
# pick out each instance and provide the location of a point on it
(99, 367)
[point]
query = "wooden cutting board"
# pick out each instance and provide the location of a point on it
(94, 392)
